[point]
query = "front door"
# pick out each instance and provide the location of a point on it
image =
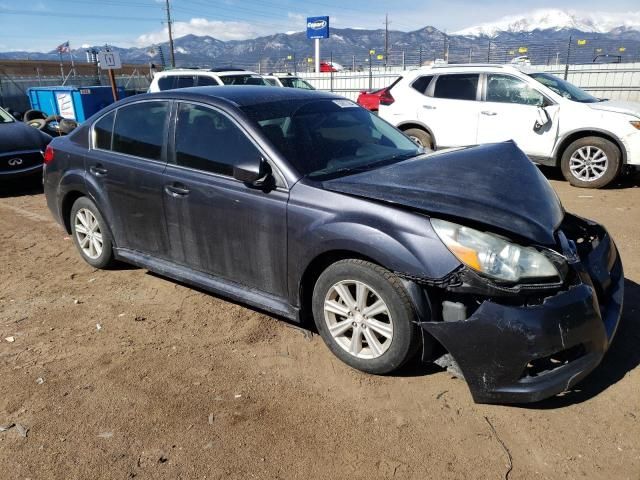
(510, 112)
(125, 174)
(219, 225)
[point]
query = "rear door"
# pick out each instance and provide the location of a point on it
(510, 112)
(216, 224)
(450, 108)
(124, 174)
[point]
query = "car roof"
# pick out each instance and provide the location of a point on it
(241, 95)
(194, 71)
(467, 67)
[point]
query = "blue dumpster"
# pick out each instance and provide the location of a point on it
(77, 103)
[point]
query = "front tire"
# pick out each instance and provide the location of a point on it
(91, 234)
(591, 162)
(365, 316)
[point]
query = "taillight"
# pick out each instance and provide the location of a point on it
(386, 98)
(49, 154)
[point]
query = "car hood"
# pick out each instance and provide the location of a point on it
(18, 136)
(630, 108)
(494, 184)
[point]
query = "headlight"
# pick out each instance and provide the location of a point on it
(492, 255)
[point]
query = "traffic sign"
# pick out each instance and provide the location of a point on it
(109, 60)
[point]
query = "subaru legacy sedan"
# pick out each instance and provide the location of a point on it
(305, 205)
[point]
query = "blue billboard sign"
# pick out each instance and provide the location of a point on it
(317, 27)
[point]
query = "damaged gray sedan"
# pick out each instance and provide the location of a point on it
(306, 205)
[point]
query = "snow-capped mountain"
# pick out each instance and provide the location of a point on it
(556, 19)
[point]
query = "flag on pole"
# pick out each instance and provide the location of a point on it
(63, 47)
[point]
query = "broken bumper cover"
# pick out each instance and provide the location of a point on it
(517, 354)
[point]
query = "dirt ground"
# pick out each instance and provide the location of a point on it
(121, 374)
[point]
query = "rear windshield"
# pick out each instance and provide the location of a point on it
(328, 138)
(246, 79)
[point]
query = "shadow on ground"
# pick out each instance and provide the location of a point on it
(622, 357)
(21, 186)
(631, 180)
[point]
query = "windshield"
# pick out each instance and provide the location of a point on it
(247, 79)
(5, 117)
(294, 82)
(325, 139)
(564, 88)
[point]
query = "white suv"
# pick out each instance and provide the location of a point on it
(287, 80)
(553, 121)
(188, 77)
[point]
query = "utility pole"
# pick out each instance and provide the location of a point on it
(171, 51)
(386, 39)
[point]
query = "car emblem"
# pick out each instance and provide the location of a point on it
(14, 162)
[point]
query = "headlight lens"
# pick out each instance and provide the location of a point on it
(492, 255)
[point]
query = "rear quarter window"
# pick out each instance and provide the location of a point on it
(422, 83)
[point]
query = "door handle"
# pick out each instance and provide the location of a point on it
(488, 113)
(98, 170)
(428, 107)
(176, 190)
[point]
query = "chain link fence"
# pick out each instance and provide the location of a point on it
(13, 89)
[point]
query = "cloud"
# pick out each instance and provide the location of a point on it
(201, 26)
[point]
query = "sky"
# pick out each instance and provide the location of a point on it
(41, 25)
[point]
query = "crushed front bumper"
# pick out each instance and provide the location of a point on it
(514, 354)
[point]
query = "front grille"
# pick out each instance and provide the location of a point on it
(17, 161)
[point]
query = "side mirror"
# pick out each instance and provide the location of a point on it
(542, 118)
(251, 170)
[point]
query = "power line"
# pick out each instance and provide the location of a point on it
(29, 13)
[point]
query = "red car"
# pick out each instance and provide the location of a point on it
(372, 100)
(330, 67)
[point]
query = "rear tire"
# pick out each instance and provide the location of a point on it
(91, 233)
(365, 316)
(591, 162)
(420, 137)
(33, 115)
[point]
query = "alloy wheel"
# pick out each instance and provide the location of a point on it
(358, 319)
(588, 163)
(88, 233)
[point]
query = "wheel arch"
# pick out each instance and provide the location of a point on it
(571, 137)
(65, 208)
(404, 126)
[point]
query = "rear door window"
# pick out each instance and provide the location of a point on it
(204, 81)
(457, 86)
(139, 129)
(184, 82)
(209, 141)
